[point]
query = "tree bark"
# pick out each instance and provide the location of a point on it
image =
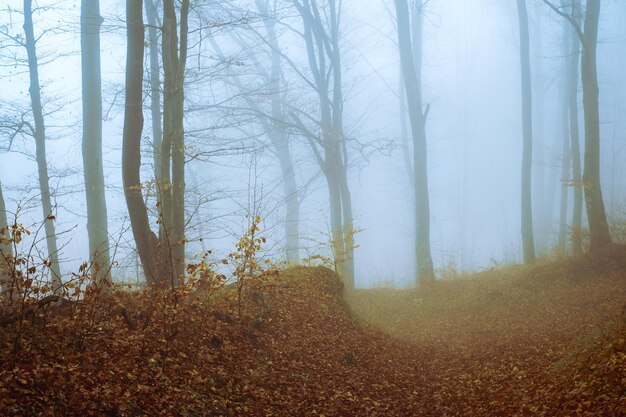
(40, 143)
(155, 84)
(145, 239)
(598, 227)
(417, 119)
(97, 224)
(6, 250)
(172, 232)
(528, 241)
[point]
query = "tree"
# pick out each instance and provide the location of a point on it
(97, 224)
(280, 138)
(572, 77)
(599, 235)
(40, 143)
(155, 83)
(326, 136)
(598, 227)
(528, 241)
(272, 121)
(146, 241)
(565, 144)
(6, 250)
(171, 184)
(417, 119)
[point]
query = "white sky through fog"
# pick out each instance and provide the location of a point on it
(471, 80)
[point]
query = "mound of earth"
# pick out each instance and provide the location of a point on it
(293, 347)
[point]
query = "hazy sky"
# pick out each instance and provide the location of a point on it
(471, 81)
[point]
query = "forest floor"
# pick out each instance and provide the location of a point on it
(546, 340)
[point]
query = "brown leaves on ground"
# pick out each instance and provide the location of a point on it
(547, 340)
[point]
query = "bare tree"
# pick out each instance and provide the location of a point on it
(573, 78)
(599, 235)
(598, 226)
(565, 144)
(6, 249)
(528, 241)
(172, 180)
(40, 142)
(97, 224)
(155, 83)
(146, 241)
(326, 137)
(417, 119)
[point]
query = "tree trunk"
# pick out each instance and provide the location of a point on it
(97, 225)
(40, 143)
(324, 57)
(145, 239)
(6, 251)
(341, 160)
(565, 145)
(528, 242)
(423, 257)
(280, 141)
(598, 227)
(172, 234)
(155, 84)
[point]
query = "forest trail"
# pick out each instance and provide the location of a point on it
(542, 340)
(546, 340)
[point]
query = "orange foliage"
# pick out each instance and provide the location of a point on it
(489, 346)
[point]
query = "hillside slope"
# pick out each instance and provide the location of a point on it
(494, 345)
(542, 340)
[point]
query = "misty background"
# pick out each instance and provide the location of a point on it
(471, 76)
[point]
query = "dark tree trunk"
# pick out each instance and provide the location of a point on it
(6, 250)
(97, 224)
(172, 232)
(145, 239)
(40, 142)
(528, 241)
(417, 119)
(598, 227)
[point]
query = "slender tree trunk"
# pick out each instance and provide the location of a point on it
(342, 155)
(565, 131)
(528, 241)
(97, 224)
(178, 150)
(280, 141)
(336, 222)
(577, 181)
(292, 207)
(145, 239)
(565, 171)
(598, 226)
(172, 235)
(541, 179)
(324, 57)
(155, 84)
(424, 263)
(6, 251)
(169, 46)
(40, 142)
(404, 133)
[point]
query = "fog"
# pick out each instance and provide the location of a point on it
(470, 70)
